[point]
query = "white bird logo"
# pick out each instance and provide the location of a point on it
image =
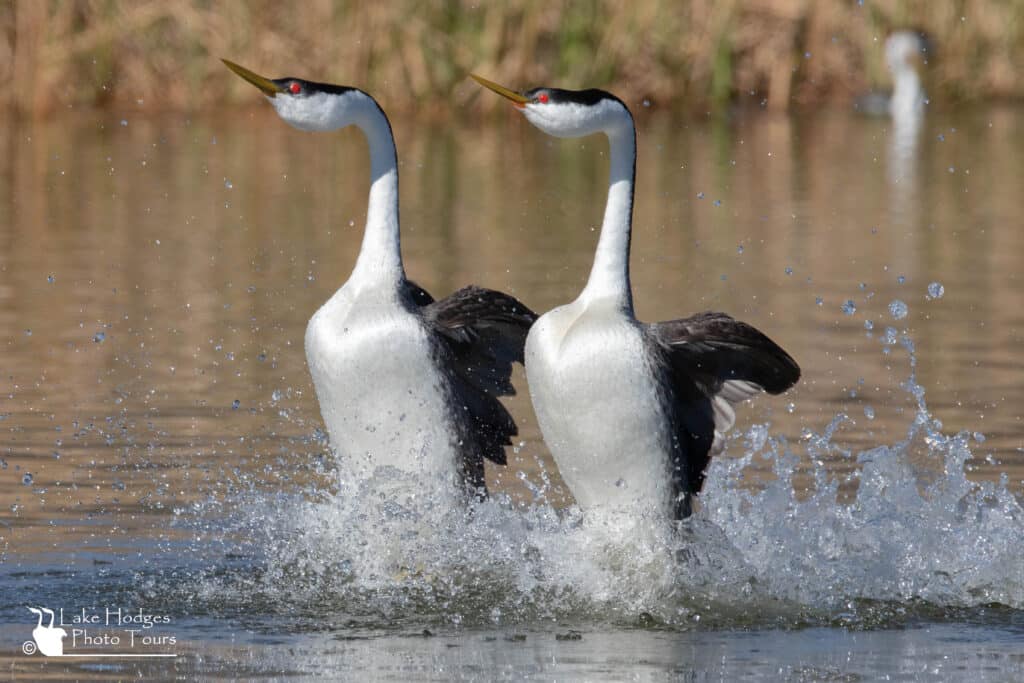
(49, 640)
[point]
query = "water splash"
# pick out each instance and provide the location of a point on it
(906, 534)
(898, 309)
(913, 533)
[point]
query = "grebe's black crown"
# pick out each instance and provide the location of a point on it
(312, 87)
(588, 97)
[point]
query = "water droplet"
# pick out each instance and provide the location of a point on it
(790, 407)
(124, 122)
(868, 325)
(700, 195)
(941, 137)
(789, 271)
(262, 357)
(235, 404)
(979, 437)
(118, 485)
(898, 310)
(890, 335)
(228, 184)
(99, 337)
(718, 202)
(952, 169)
(901, 279)
(739, 249)
(849, 308)
(28, 333)
(51, 279)
(724, 277)
(27, 479)
(869, 412)
(936, 290)
(647, 103)
(818, 300)
(276, 395)
(807, 55)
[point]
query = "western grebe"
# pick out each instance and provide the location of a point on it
(633, 411)
(402, 380)
(903, 50)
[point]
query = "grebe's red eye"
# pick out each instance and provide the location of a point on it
(294, 88)
(542, 98)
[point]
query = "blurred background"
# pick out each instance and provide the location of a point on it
(777, 54)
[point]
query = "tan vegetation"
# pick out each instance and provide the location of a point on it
(776, 53)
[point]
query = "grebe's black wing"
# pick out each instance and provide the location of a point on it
(480, 334)
(708, 363)
(872, 103)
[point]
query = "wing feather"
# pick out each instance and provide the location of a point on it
(711, 362)
(481, 332)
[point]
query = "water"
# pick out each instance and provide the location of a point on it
(164, 453)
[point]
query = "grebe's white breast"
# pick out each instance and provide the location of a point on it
(381, 393)
(599, 407)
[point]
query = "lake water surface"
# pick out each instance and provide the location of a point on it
(162, 451)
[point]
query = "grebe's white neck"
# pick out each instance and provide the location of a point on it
(380, 257)
(609, 276)
(907, 95)
(572, 114)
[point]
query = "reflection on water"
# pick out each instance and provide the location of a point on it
(901, 161)
(944, 652)
(156, 277)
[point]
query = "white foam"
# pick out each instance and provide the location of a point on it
(911, 537)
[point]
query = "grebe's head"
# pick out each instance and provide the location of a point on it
(566, 113)
(308, 105)
(904, 49)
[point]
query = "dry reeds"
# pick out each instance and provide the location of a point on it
(775, 53)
